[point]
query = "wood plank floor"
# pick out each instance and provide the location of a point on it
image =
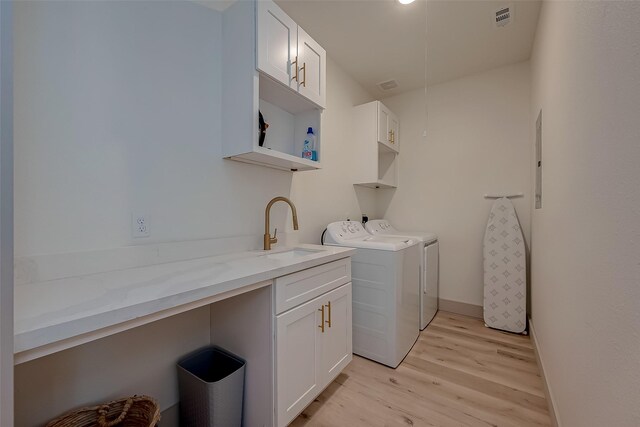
(459, 373)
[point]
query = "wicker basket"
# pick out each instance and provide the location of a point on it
(136, 411)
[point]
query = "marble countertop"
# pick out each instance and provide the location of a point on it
(58, 310)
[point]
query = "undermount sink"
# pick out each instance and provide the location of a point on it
(292, 254)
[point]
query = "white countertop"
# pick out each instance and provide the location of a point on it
(74, 309)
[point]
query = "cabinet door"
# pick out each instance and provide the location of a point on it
(394, 130)
(277, 42)
(336, 344)
(312, 69)
(384, 134)
(298, 354)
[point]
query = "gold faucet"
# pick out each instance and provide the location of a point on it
(268, 240)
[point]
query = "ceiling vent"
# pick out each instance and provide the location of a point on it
(388, 85)
(503, 16)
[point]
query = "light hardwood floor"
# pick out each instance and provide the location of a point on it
(459, 373)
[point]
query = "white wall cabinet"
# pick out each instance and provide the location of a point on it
(312, 76)
(277, 42)
(289, 55)
(313, 339)
(377, 138)
(270, 65)
(388, 127)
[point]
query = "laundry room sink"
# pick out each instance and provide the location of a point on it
(292, 254)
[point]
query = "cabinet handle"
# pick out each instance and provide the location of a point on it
(391, 136)
(321, 325)
(329, 307)
(304, 74)
(295, 77)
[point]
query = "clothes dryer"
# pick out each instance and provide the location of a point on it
(429, 259)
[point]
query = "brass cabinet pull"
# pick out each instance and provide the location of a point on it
(329, 307)
(321, 325)
(295, 77)
(304, 74)
(391, 136)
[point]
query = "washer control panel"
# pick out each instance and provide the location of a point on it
(346, 230)
(379, 226)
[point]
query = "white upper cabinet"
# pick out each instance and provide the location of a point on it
(311, 60)
(388, 127)
(287, 54)
(376, 136)
(394, 128)
(271, 69)
(277, 43)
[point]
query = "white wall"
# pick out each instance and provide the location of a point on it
(114, 117)
(586, 238)
(118, 111)
(477, 142)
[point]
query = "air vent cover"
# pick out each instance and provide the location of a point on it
(503, 16)
(388, 85)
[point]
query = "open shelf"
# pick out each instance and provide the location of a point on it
(377, 184)
(384, 147)
(276, 159)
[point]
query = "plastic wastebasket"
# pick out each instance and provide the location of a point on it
(211, 386)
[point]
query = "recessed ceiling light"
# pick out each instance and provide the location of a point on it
(405, 1)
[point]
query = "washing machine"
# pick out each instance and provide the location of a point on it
(385, 276)
(429, 265)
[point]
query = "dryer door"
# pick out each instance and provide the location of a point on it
(429, 294)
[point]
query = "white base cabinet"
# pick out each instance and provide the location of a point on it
(313, 339)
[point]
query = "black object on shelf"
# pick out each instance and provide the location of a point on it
(262, 126)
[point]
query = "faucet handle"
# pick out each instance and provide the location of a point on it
(274, 239)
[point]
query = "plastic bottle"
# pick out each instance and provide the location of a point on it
(310, 151)
(306, 150)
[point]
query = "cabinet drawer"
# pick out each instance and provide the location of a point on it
(297, 288)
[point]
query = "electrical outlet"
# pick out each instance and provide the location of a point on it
(140, 226)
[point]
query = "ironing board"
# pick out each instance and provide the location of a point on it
(505, 270)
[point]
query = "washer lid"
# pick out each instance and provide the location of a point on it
(382, 227)
(421, 236)
(352, 234)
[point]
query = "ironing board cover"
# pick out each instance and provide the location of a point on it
(505, 269)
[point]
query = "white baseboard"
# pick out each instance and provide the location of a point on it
(555, 422)
(463, 308)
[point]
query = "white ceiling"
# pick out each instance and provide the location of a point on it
(463, 40)
(379, 40)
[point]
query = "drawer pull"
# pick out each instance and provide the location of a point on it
(329, 307)
(321, 325)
